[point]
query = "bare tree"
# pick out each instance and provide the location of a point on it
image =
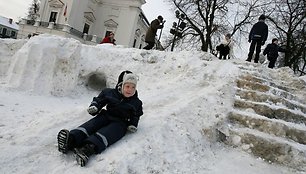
(208, 19)
(33, 10)
(289, 20)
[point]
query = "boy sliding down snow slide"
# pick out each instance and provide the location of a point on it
(122, 113)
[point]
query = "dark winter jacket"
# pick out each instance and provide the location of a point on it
(118, 107)
(259, 31)
(272, 50)
(152, 30)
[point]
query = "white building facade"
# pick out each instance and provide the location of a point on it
(8, 28)
(90, 21)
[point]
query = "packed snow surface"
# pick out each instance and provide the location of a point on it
(47, 83)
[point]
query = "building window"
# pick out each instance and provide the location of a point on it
(107, 33)
(53, 17)
(86, 28)
(4, 31)
(8, 33)
(13, 34)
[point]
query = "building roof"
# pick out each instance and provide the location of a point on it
(5, 21)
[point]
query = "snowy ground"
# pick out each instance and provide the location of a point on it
(44, 87)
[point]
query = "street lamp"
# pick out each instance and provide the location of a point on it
(177, 28)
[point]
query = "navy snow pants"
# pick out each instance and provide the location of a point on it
(272, 62)
(256, 43)
(100, 131)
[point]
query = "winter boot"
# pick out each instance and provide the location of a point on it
(82, 154)
(63, 140)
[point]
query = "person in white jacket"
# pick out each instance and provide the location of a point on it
(225, 48)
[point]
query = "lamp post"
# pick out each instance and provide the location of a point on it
(177, 28)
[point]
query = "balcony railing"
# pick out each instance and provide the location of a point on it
(76, 32)
(63, 28)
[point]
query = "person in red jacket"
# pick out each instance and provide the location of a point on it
(109, 39)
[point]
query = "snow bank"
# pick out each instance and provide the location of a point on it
(51, 80)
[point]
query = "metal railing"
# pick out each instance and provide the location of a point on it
(30, 22)
(60, 27)
(44, 24)
(76, 32)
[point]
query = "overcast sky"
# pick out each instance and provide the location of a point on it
(16, 9)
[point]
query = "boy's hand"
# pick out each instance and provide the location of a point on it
(92, 110)
(132, 128)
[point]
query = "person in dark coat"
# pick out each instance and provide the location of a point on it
(109, 39)
(271, 51)
(257, 37)
(116, 110)
(151, 32)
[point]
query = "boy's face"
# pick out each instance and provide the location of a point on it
(128, 90)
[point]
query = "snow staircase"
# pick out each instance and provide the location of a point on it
(268, 119)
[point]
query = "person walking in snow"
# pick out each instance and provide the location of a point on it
(109, 39)
(151, 32)
(257, 37)
(116, 110)
(225, 48)
(271, 51)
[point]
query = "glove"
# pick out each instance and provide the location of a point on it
(263, 42)
(92, 110)
(132, 128)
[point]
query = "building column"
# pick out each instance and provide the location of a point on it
(51, 25)
(37, 22)
(66, 28)
(85, 36)
(94, 38)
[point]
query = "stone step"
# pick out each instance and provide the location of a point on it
(263, 97)
(272, 149)
(287, 80)
(247, 85)
(251, 78)
(244, 84)
(276, 112)
(249, 68)
(294, 88)
(278, 128)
